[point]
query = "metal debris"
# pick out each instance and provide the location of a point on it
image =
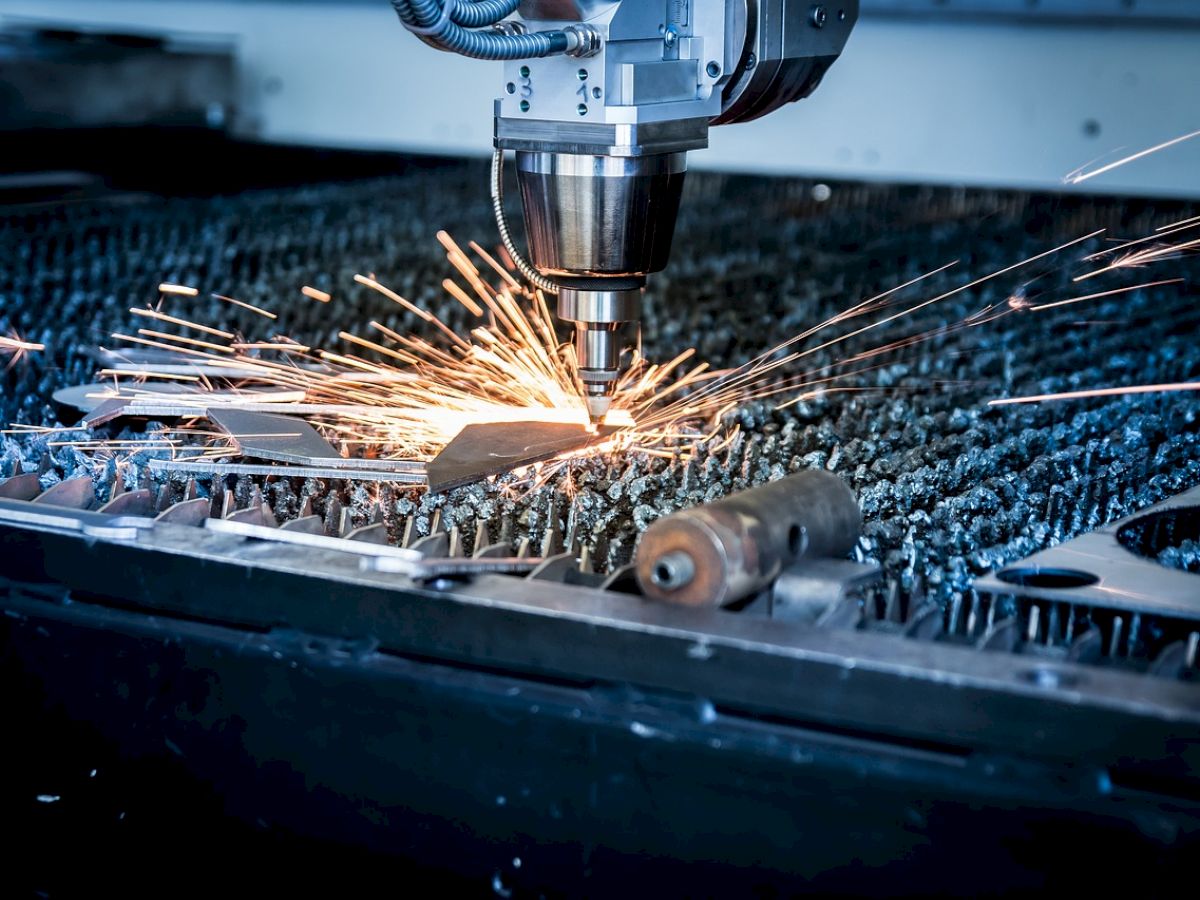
(949, 489)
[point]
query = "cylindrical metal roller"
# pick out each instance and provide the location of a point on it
(721, 552)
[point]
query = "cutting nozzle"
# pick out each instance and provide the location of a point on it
(599, 398)
(598, 352)
(598, 316)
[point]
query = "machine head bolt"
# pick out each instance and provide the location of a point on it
(673, 570)
(818, 17)
(671, 35)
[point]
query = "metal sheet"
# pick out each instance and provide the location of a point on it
(1095, 569)
(280, 438)
(21, 487)
(131, 503)
(482, 450)
(221, 468)
(76, 493)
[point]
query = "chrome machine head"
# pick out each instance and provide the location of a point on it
(601, 101)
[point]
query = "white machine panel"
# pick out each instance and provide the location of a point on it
(981, 99)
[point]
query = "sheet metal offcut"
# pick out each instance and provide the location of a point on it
(279, 438)
(491, 449)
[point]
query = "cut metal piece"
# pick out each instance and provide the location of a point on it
(371, 534)
(74, 493)
(278, 438)
(307, 524)
(406, 561)
(21, 487)
(490, 449)
(220, 468)
(433, 545)
(131, 503)
(1101, 568)
(254, 514)
(104, 412)
(493, 551)
(185, 512)
(410, 466)
(175, 401)
(291, 440)
(448, 566)
(165, 362)
(555, 568)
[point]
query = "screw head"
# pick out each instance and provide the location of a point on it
(524, 106)
(818, 16)
(670, 36)
(713, 69)
(582, 109)
(583, 74)
(524, 71)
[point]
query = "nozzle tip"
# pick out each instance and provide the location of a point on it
(597, 407)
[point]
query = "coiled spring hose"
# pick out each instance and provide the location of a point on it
(446, 24)
(532, 275)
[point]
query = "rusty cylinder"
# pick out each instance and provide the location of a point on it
(722, 552)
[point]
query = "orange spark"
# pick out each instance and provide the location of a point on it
(1113, 292)
(1080, 175)
(1100, 392)
(181, 289)
(17, 349)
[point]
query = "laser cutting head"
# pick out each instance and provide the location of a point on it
(597, 226)
(601, 101)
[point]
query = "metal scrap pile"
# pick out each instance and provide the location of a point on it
(949, 487)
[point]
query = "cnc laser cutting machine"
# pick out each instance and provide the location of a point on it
(601, 101)
(898, 628)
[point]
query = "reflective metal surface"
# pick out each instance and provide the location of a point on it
(721, 552)
(788, 48)
(598, 316)
(1113, 566)
(600, 215)
(481, 450)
